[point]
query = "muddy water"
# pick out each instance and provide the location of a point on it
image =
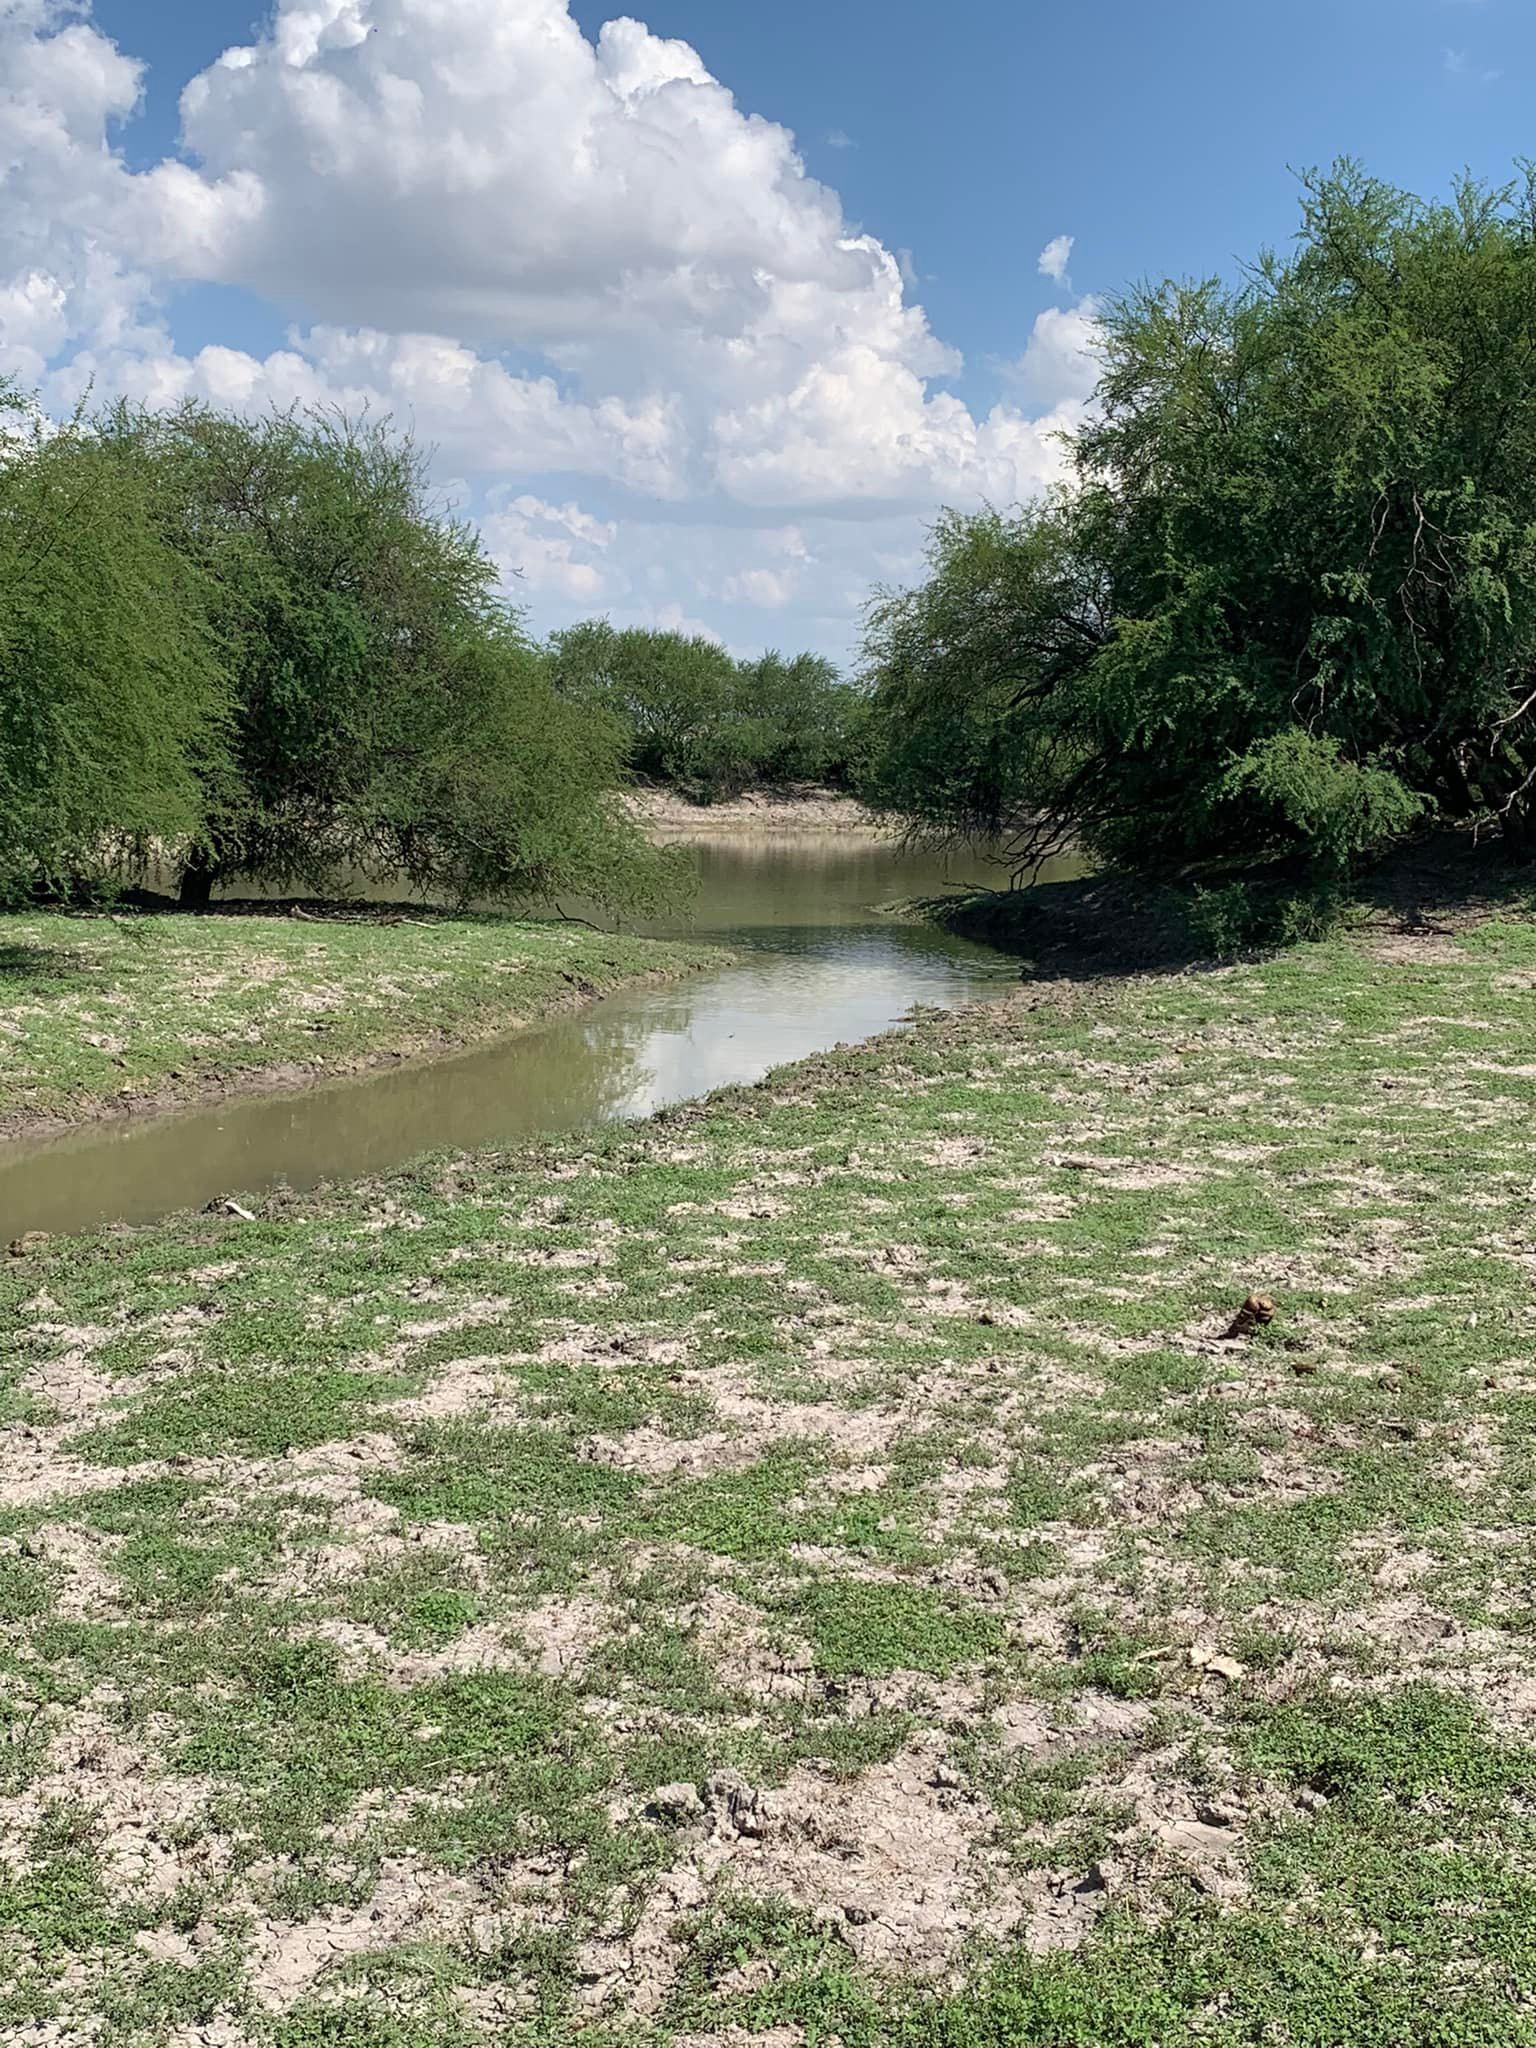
(815, 967)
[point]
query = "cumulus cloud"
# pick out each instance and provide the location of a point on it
(1055, 257)
(1060, 364)
(557, 257)
(550, 548)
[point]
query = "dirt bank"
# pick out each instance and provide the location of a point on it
(810, 811)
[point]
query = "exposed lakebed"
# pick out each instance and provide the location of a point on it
(815, 964)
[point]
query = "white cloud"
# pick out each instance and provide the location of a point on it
(576, 264)
(1055, 257)
(671, 618)
(768, 589)
(1459, 65)
(549, 548)
(1060, 364)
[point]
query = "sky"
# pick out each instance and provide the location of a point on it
(704, 315)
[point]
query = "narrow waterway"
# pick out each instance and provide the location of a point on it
(816, 966)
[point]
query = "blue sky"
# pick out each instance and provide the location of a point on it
(961, 139)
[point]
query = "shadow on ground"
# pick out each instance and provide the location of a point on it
(1112, 925)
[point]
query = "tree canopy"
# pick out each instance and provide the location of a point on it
(254, 646)
(113, 709)
(701, 721)
(1286, 605)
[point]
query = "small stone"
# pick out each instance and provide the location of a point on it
(1206, 1657)
(1310, 1798)
(1215, 1814)
(676, 1804)
(947, 1778)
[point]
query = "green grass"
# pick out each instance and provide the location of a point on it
(96, 1009)
(367, 1571)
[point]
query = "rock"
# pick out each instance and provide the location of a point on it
(1215, 1814)
(676, 1804)
(754, 1975)
(1206, 1657)
(30, 1241)
(737, 1804)
(947, 1778)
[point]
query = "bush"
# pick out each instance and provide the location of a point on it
(387, 715)
(112, 694)
(1287, 608)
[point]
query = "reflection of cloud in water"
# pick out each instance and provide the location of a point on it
(770, 1010)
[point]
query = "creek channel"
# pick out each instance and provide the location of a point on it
(815, 965)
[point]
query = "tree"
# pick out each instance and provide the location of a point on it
(112, 698)
(707, 724)
(1288, 605)
(388, 715)
(670, 691)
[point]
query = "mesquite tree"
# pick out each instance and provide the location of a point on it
(1287, 605)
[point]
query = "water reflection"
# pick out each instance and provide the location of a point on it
(817, 968)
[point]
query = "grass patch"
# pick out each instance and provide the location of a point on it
(625, 1553)
(102, 1008)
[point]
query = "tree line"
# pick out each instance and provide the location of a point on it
(1284, 610)
(255, 649)
(1282, 613)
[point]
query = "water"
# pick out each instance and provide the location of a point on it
(816, 967)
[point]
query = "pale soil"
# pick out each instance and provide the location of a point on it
(808, 811)
(893, 1574)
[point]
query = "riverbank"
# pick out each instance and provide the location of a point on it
(1088, 924)
(114, 1014)
(829, 1563)
(813, 811)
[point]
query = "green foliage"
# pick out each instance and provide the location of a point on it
(255, 644)
(866, 1627)
(1287, 607)
(704, 723)
(111, 693)
(1245, 917)
(389, 716)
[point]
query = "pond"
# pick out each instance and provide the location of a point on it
(817, 966)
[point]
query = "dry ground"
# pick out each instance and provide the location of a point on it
(812, 1570)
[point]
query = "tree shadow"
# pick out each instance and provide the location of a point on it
(1448, 883)
(1099, 927)
(20, 963)
(1087, 929)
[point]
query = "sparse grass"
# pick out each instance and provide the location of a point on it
(374, 1574)
(104, 1010)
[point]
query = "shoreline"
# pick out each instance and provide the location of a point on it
(668, 816)
(558, 969)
